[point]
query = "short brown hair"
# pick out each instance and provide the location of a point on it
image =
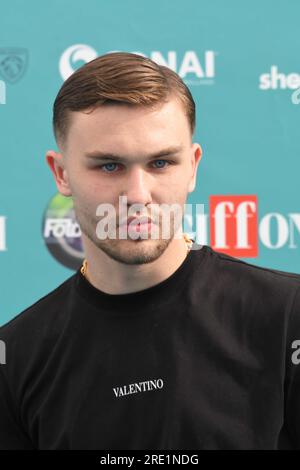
(122, 78)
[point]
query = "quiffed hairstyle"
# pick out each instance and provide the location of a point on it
(119, 78)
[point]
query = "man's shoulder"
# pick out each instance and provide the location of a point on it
(244, 272)
(46, 310)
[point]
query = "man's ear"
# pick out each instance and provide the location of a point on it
(195, 158)
(57, 166)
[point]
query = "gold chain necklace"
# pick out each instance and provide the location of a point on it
(188, 241)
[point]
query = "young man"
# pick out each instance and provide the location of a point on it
(151, 345)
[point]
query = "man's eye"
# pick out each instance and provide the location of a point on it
(158, 161)
(109, 167)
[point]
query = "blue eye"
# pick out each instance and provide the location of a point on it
(165, 161)
(110, 167)
(107, 165)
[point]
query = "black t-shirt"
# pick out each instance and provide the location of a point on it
(206, 359)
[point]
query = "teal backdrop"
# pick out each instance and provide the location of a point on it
(241, 63)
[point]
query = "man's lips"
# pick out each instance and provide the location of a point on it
(134, 221)
(135, 224)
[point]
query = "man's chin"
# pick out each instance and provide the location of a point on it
(134, 252)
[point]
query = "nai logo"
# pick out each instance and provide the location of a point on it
(234, 225)
(146, 386)
(191, 67)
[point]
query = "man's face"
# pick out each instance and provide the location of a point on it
(134, 134)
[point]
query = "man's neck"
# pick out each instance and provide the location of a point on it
(113, 277)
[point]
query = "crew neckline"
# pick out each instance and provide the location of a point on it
(146, 299)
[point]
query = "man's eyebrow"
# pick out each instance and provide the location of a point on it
(101, 156)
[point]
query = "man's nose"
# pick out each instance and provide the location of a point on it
(137, 187)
